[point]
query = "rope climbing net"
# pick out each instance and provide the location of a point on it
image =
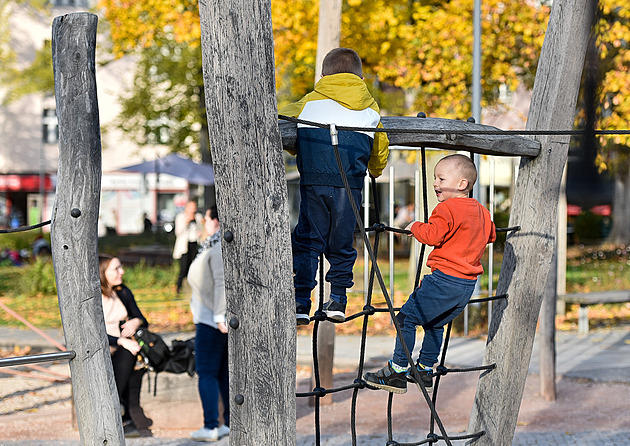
(368, 310)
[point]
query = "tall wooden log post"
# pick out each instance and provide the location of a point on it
(328, 38)
(74, 230)
(238, 67)
(528, 252)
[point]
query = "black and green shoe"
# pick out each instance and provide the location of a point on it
(387, 379)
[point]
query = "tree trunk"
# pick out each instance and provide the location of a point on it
(238, 68)
(74, 230)
(620, 233)
(528, 252)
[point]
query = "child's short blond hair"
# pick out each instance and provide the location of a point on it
(465, 166)
(342, 60)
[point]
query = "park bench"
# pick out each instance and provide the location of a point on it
(586, 299)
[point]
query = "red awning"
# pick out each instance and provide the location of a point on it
(573, 210)
(603, 209)
(24, 183)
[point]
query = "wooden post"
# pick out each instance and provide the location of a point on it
(328, 38)
(556, 285)
(74, 230)
(238, 68)
(328, 31)
(325, 346)
(528, 252)
(547, 335)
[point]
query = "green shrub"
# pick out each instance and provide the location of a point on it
(20, 240)
(112, 244)
(588, 227)
(39, 278)
(142, 276)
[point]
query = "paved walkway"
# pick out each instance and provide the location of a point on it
(592, 438)
(600, 356)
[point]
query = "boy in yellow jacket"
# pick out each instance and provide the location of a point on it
(326, 222)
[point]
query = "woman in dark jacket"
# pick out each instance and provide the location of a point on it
(122, 319)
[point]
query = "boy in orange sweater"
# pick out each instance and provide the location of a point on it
(459, 229)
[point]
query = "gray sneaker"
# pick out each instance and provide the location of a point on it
(426, 376)
(223, 431)
(387, 379)
(335, 311)
(301, 315)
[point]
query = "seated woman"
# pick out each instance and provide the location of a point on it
(122, 320)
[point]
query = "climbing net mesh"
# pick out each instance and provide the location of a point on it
(368, 310)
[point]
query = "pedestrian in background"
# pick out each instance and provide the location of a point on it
(208, 308)
(188, 227)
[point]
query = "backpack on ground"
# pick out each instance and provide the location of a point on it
(158, 357)
(182, 357)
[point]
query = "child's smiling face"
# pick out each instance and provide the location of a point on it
(449, 181)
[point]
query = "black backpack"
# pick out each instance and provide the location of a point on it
(182, 357)
(154, 351)
(158, 357)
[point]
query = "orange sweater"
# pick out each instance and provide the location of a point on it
(459, 229)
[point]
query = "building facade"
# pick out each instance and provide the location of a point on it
(29, 136)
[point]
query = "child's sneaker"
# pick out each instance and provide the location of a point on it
(387, 379)
(426, 376)
(335, 311)
(301, 315)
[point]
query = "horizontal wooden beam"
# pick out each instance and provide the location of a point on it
(441, 134)
(602, 297)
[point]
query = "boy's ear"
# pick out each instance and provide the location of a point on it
(463, 184)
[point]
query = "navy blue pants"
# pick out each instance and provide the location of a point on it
(325, 226)
(211, 360)
(437, 301)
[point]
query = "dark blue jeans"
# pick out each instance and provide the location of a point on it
(211, 360)
(437, 301)
(325, 226)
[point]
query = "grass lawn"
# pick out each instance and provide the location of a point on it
(30, 291)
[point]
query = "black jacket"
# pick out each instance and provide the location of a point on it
(126, 297)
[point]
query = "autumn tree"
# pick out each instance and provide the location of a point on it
(17, 80)
(7, 55)
(613, 108)
(419, 49)
(425, 48)
(166, 104)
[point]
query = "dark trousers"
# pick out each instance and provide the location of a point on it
(184, 263)
(211, 360)
(437, 301)
(325, 226)
(123, 363)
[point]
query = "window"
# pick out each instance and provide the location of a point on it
(77, 3)
(50, 127)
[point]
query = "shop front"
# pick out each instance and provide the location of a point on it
(25, 199)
